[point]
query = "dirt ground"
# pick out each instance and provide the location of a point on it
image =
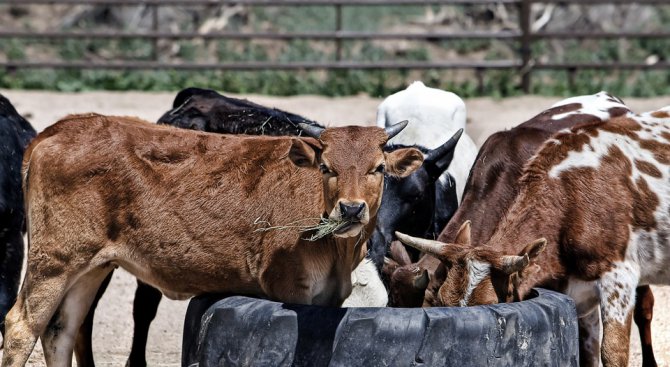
(113, 322)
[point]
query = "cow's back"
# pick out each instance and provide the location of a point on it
(608, 183)
(492, 185)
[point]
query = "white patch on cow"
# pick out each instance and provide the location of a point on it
(588, 157)
(368, 289)
(477, 271)
(595, 104)
(648, 250)
(617, 288)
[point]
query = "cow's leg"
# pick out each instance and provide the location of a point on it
(83, 349)
(10, 272)
(587, 301)
(145, 307)
(59, 337)
(40, 295)
(617, 289)
(644, 311)
(589, 339)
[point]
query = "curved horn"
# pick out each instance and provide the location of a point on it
(445, 148)
(394, 129)
(421, 244)
(311, 131)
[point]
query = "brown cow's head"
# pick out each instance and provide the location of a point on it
(353, 164)
(476, 275)
(407, 281)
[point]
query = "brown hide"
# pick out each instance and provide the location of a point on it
(491, 187)
(568, 211)
(184, 211)
(188, 213)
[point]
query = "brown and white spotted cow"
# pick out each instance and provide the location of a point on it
(491, 189)
(491, 186)
(596, 198)
(179, 210)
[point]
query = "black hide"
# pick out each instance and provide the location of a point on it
(15, 134)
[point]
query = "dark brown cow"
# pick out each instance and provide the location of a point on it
(180, 210)
(598, 195)
(492, 188)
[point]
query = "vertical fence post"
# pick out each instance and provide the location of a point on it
(524, 23)
(154, 28)
(572, 74)
(479, 72)
(338, 29)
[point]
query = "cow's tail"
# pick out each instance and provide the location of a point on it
(25, 185)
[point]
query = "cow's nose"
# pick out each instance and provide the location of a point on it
(351, 210)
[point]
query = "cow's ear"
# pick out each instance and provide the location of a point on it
(463, 235)
(402, 162)
(515, 263)
(421, 280)
(399, 253)
(304, 152)
(534, 248)
(389, 267)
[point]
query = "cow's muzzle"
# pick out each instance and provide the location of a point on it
(354, 213)
(351, 212)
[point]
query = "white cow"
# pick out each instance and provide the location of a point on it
(434, 115)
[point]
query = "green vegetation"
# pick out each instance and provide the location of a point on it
(467, 83)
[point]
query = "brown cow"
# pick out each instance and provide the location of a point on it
(491, 187)
(180, 210)
(598, 195)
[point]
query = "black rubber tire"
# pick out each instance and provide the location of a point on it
(241, 331)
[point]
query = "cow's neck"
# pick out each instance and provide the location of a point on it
(331, 265)
(537, 212)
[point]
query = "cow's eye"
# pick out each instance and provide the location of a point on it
(379, 169)
(324, 169)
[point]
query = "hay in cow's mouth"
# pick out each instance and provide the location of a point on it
(323, 228)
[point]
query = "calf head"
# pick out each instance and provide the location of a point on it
(408, 204)
(191, 109)
(407, 282)
(477, 275)
(353, 164)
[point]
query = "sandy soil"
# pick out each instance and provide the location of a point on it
(113, 322)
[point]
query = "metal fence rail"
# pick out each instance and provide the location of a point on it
(524, 36)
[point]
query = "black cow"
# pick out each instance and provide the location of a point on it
(207, 110)
(410, 200)
(15, 134)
